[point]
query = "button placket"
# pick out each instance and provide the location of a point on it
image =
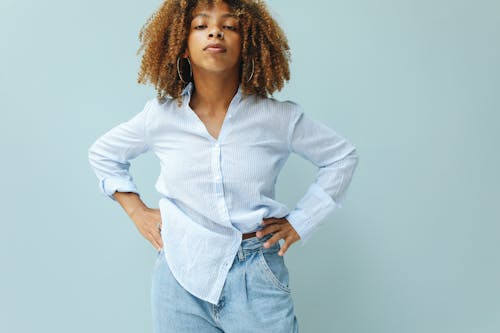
(217, 178)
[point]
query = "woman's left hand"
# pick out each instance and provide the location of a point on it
(281, 229)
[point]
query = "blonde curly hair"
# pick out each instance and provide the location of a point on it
(264, 47)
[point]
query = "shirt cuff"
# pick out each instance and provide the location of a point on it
(311, 210)
(110, 185)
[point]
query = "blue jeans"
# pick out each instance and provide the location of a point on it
(256, 296)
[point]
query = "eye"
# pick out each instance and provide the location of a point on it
(199, 27)
(230, 27)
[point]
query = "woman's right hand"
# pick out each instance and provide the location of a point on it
(147, 220)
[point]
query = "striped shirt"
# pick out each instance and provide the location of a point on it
(213, 190)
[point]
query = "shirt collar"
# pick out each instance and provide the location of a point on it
(188, 89)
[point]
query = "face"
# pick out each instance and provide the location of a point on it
(213, 43)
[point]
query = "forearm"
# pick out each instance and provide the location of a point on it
(130, 202)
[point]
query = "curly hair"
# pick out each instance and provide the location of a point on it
(264, 47)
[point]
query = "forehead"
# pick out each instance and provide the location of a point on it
(207, 10)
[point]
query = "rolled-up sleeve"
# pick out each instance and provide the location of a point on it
(110, 155)
(336, 160)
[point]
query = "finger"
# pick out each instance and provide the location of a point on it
(270, 242)
(267, 230)
(159, 240)
(158, 225)
(286, 245)
(154, 241)
(155, 244)
(270, 220)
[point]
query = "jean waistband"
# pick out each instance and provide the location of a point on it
(253, 243)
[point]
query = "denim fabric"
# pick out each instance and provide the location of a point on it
(256, 296)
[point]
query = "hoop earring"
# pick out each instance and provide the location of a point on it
(179, 71)
(253, 68)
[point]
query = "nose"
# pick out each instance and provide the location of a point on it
(218, 33)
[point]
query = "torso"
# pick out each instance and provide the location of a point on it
(213, 123)
(211, 116)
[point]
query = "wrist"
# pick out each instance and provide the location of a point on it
(137, 209)
(130, 202)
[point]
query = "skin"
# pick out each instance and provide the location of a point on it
(216, 81)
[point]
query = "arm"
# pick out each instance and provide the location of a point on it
(336, 160)
(147, 220)
(110, 156)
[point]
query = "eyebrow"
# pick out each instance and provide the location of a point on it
(222, 16)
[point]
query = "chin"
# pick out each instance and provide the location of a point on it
(218, 69)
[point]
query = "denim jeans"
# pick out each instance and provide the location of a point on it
(256, 296)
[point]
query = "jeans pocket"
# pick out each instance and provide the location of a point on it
(274, 268)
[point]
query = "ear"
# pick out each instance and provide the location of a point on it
(185, 54)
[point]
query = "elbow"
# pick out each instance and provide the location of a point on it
(352, 158)
(354, 154)
(92, 154)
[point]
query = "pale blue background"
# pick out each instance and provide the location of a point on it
(415, 85)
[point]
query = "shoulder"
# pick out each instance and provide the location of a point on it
(286, 108)
(156, 110)
(160, 102)
(157, 105)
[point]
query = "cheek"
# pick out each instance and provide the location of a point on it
(193, 41)
(237, 43)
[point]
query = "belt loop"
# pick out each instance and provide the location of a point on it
(241, 254)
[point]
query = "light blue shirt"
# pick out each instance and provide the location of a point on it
(213, 190)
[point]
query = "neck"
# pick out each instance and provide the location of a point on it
(213, 93)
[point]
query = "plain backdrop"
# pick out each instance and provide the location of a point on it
(414, 84)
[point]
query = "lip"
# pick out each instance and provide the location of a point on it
(215, 47)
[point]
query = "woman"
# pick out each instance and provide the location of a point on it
(221, 142)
